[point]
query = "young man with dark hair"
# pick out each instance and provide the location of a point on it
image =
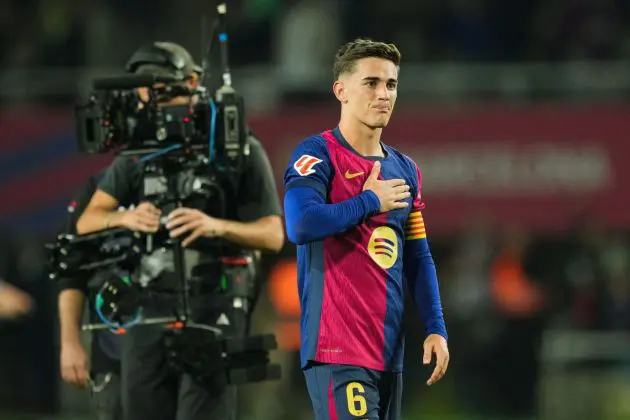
(353, 206)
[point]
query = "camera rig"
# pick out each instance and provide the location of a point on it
(210, 137)
(210, 353)
(112, 116)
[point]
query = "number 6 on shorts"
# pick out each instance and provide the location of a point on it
(357, 405)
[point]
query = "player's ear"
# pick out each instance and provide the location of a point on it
(340, 91)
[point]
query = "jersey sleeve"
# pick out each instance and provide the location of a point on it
(414, 228)
(309, 218)
(309, 166)
(419, 266)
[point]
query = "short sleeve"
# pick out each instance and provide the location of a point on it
(258, 193)
(309, 166)
(80, 202)
(120, 179)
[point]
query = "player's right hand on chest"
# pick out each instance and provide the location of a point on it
(392, 193)
(144, 218)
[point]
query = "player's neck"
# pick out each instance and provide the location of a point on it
(365, 140)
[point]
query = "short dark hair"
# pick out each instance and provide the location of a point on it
(350, 53)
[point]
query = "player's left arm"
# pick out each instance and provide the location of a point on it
(422, 281)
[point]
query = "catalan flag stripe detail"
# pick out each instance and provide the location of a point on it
(415, 227)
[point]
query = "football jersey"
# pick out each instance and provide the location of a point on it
(351, 284)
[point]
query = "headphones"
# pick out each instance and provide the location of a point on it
(160, 55)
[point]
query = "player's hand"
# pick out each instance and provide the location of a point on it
(196, 223)
(13, 301)
(74, 363)
(144, 218)
(435, 343)
(392, 193)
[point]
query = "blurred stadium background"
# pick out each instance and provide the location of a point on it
(517, 112)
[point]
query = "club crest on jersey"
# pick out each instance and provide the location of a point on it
(305, 164)
(383, 247)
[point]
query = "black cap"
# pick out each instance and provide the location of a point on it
(163, 59)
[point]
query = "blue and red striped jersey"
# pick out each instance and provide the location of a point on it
(351, 283)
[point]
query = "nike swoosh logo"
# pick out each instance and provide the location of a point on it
(350, 175)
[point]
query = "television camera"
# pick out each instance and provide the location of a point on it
(184, 151)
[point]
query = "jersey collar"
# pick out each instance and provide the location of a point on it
(342, 141)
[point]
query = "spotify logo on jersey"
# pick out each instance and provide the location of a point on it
(383, 246)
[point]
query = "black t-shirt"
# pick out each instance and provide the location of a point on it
(254, 196)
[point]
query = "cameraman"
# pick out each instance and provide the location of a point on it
(247, 218)
(102, 372)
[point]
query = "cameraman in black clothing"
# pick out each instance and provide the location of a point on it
(102, 372)
(245, 216)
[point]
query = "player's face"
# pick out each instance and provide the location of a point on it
(370, 91)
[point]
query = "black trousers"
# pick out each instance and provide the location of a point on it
(151, 389)
(105, 401)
